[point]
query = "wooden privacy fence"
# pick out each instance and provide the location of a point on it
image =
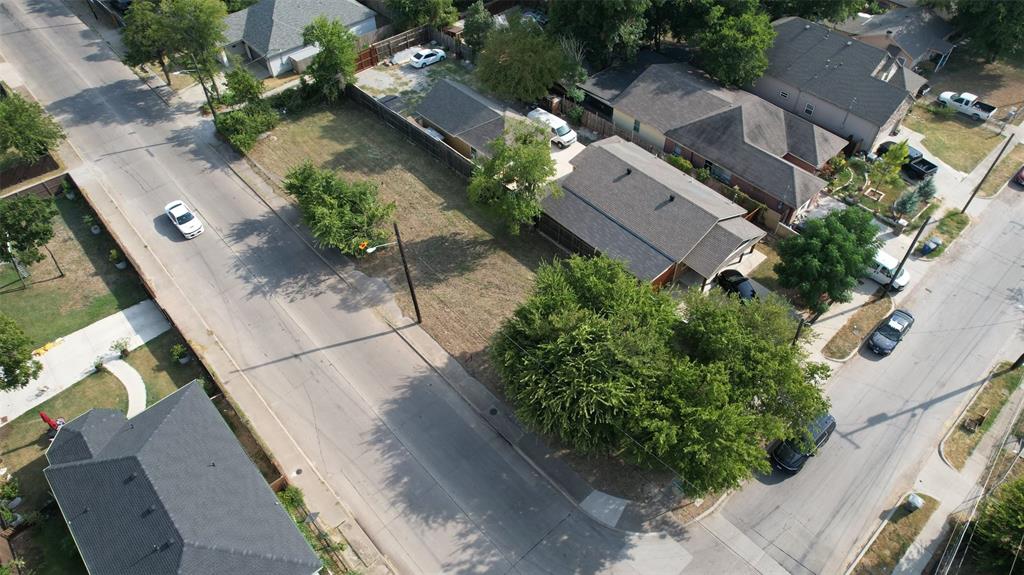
(380, 51)
(604, 128)
(455, 48)
(441, 151)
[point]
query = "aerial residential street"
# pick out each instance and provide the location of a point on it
(434, 486)
(431, 482)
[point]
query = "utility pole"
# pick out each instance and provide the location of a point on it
(799, 328)
(910, 249)
(1018, 363)
(987, 172)
(408, 276)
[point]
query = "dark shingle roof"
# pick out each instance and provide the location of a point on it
(650, 217)
(734, 129)
(833, 67)
(170, 492)
(916, 30)
(272, 26)
(610, 82)
(458, 112)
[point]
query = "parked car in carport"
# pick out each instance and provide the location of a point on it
(791, 456)
(732, 281)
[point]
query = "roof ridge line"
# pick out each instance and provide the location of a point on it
(620, 225)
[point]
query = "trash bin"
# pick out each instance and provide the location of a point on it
(930, 246)
(914, 502)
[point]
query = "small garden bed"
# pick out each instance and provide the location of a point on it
(961, 442)
(900, 531)
(947, 230)
(859, 326)
(326, 548)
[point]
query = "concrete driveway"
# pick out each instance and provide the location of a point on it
(563, 157)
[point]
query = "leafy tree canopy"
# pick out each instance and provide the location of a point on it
(142, 36)
(336, 60)
(26, 224)
(886, 170)
(733, 48)
(345, 215)
(27, 132)
(17, 366)
(994, 29)
(243, 87)
(593, 358)
(517, 176)
(610, 29)
(520, 62)
(411, 13)
(815, 10)
(828, 257)
(479, 23)
(999, 527)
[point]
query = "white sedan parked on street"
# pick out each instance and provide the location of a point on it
(184, 219)
(427, 57)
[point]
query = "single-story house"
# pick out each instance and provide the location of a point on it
(846, 86)
(772, 155)
(623, 202)
(170, 492)
(467, 121)
(918, 34)
(271, 30)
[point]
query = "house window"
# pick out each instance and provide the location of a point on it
(719, 173)
(784, 94)
(809, 109)
(636, 125)
(678, 150)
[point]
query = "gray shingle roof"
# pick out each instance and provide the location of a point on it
(272, 26)
(916, 30)
(833, 67)
(170, 491)
(650, 217)
(734, 129)
(458, 112)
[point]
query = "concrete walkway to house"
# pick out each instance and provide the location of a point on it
(132, 382)
(72, 359)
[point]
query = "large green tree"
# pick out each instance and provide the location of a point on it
(193, 31)
(242, 86)
(479, 23)
(816, 10)
(610, 29)
(825, 261)
(1000, 526)
(336, 60)
(27, 132)
(733, 48)
(26, 224)
(993, 29)
(411, 13)
(520, 61)
(142, 36)
(517, 175)
(17, 366)
(886, 170)
(345, 215)
(593, 358)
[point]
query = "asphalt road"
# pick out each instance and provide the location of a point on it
(434, 486)
(892, 412)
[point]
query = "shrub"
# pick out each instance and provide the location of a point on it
(243, 127)
(907, 203)
(576, 115)
(680, 163)
(114, 256)
(703, 175)
(120, 346)
(575, 94)
(178, 351)
(10, 489)
(291, 497)
(942, 111)
(294, 99)
(926, 190)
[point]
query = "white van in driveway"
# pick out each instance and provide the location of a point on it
(884, 267)
(562, 135)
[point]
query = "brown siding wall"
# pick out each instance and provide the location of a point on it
(803, 165)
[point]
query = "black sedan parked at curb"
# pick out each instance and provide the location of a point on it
(790, 457)
(890, 332)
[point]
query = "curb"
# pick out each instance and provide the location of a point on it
(892, 306)
(878, 531)
(960, 416)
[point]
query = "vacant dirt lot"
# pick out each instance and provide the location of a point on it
(469, 273)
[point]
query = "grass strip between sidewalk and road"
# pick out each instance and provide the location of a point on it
(899, 532)
(859, 326)
(961, 443)
(948, 229)
(1004, 170)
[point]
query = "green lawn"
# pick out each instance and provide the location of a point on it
(956, 140)
(161, 374)
(48, 549)
(91, 289)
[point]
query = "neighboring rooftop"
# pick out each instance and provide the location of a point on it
(916, 30)
(734, 129)
(170, 491)
(634, 207)
(272, 26)
(835, 68)
(462, 113)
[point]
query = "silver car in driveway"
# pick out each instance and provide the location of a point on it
(187, 222)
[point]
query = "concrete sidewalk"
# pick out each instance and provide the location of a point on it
(72, 359)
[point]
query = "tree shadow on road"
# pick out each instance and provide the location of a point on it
(123, 102)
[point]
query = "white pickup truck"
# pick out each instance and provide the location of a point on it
(967, 103)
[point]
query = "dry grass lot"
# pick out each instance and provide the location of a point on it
(91, 289)
(1004, 170)
(961, 443)
(894, 540)
(957, 140)
(999, 83)
(852, 334)
(469, 273)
